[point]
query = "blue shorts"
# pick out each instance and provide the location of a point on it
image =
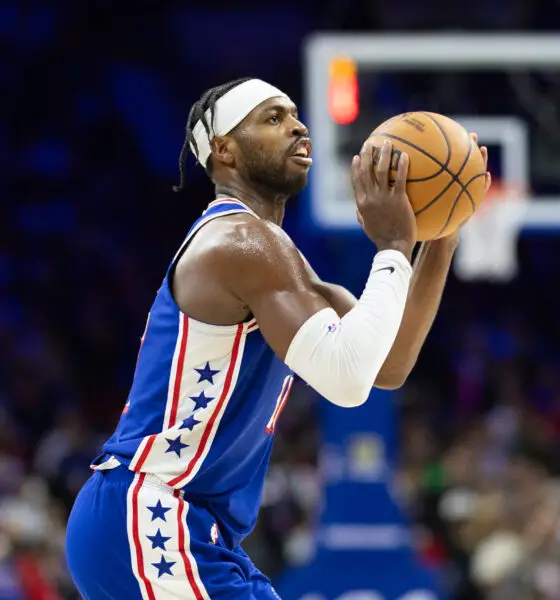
(130, 537)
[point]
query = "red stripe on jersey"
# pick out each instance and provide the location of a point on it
(210, 424)
(145, 452)
(136, 537)
(179, 372)
(186, 555)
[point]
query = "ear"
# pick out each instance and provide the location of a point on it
(223, 150)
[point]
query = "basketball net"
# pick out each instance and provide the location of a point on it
(488, 242)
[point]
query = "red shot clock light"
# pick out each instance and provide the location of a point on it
(343, 100)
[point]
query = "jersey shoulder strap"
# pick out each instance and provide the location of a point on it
(217, 208)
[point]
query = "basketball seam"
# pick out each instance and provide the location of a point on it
(453, 180)
(457, 200)
(436, 123)
(422, 151)
(442, 166)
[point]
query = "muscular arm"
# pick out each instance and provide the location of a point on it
(254, 264)
(424, 297)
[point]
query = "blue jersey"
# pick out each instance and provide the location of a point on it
(203, 405)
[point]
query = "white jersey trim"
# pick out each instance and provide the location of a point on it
(205, 443)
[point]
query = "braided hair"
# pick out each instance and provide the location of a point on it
(198, 113)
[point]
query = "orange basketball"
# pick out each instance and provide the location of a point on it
(446, 180)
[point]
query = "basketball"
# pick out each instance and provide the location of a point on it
(446, 175)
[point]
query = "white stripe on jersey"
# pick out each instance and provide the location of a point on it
(159, 539)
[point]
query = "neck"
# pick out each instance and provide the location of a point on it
(265, 203)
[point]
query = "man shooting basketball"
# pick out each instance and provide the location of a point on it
(239, 313)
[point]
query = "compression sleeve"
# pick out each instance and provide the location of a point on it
(340, 358)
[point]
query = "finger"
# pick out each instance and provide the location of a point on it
(488, 181)
(367, 168)
(359, 217)
(384, 165)
(474, 137)
(355, 176)
(402, 173)
(366, 152)
(484, 152)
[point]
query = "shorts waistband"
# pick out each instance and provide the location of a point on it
(113, 469)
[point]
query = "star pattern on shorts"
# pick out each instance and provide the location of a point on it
(158, 540)
(176, 446)
(164, 567)
(201, 401)
(158, 511)
(206, 374)
(189, 423)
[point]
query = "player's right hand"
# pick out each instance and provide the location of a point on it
(384, 209)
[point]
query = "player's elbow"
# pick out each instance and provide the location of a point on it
(393, 376)
(392, 381)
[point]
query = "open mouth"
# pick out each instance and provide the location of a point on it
(302, 153)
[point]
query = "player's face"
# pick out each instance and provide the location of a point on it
(275, 149)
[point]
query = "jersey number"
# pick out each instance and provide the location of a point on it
(280, 403)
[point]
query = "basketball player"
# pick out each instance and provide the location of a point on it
(240, 312)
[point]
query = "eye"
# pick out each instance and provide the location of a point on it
(274, 119)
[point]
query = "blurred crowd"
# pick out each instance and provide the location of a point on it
(95, 103)
(486, 502)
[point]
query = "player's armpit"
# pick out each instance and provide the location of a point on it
(336, 296)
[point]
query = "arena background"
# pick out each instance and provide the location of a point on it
(449, 486)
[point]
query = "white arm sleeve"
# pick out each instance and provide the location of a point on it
(340, 358)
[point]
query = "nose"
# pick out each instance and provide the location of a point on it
(299, 129)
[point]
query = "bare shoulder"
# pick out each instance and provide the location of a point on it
(242, 246)
(229, 262)
(251, 238)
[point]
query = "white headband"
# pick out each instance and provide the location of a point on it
(229, 111)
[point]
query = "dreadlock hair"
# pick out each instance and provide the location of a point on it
(198, 113)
